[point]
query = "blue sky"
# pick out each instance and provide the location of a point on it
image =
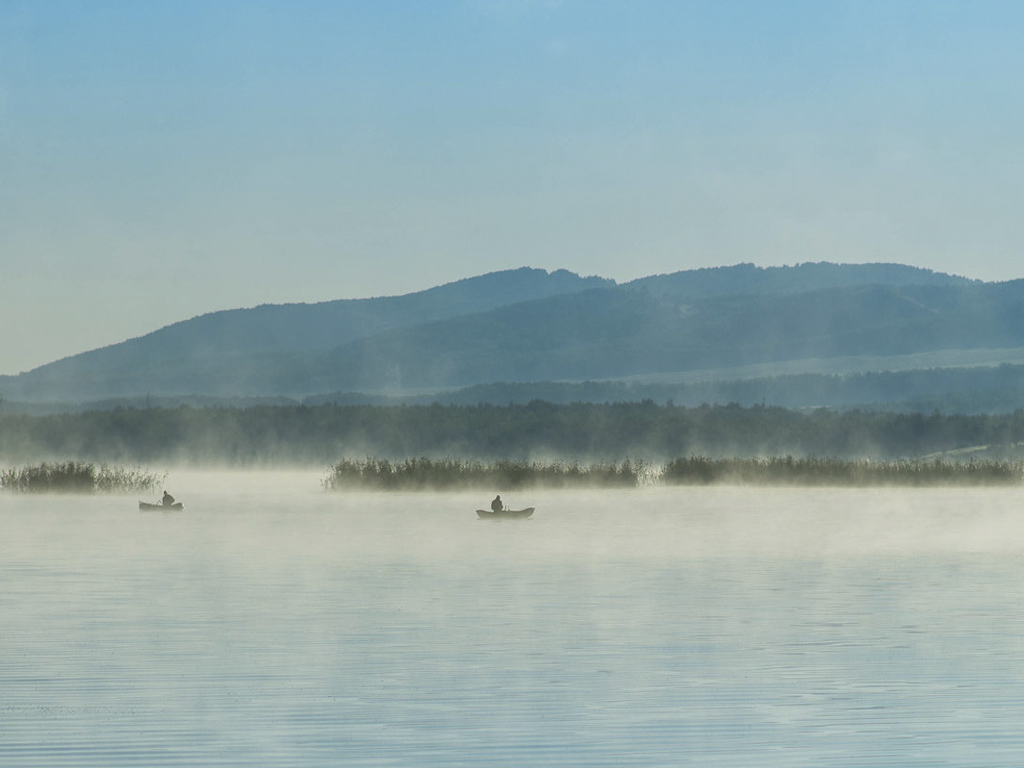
(163, 159)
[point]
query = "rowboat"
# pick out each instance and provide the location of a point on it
(145, 506)
(486, 514)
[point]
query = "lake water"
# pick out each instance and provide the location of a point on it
(274, 624)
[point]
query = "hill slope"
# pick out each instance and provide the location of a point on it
(623, 331)
(214, 352)
(781, 281)
(529, 325)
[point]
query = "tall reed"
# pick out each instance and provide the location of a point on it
(449, 474)
(785, 470)
(78, 477)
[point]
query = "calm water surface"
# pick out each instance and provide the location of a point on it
(273, 624)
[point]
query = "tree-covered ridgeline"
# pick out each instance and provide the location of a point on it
(613, 432)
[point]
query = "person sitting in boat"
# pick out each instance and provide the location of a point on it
(496, 505)
(167, 500)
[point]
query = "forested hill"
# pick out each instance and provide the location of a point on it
(530, 325)
(624, 331)
(780, 281)
(285, 329)
(213, 353)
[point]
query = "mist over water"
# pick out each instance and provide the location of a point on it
(272, 623)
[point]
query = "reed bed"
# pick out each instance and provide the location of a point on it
(78, 477)
(424, 474)
(452, 474)
(776, 470)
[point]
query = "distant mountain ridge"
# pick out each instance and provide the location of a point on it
(617, 332)
(291, 328)
(533, 325)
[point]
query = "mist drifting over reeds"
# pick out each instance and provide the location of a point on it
(786, 470)
(78, 477)
(450, 474)
(424, 474)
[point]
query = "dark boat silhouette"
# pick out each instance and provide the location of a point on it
(145, 506)
(486, 514)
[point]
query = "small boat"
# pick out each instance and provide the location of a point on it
(145, 506)
(486, 514)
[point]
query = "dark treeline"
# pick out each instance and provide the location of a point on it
(587, 432)
(951, 390)
(969, 390)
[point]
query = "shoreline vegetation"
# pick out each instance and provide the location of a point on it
(78, 477)
(425, 474)
(450, 474)
(786, 470)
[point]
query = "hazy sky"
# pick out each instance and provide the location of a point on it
(162, 159)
